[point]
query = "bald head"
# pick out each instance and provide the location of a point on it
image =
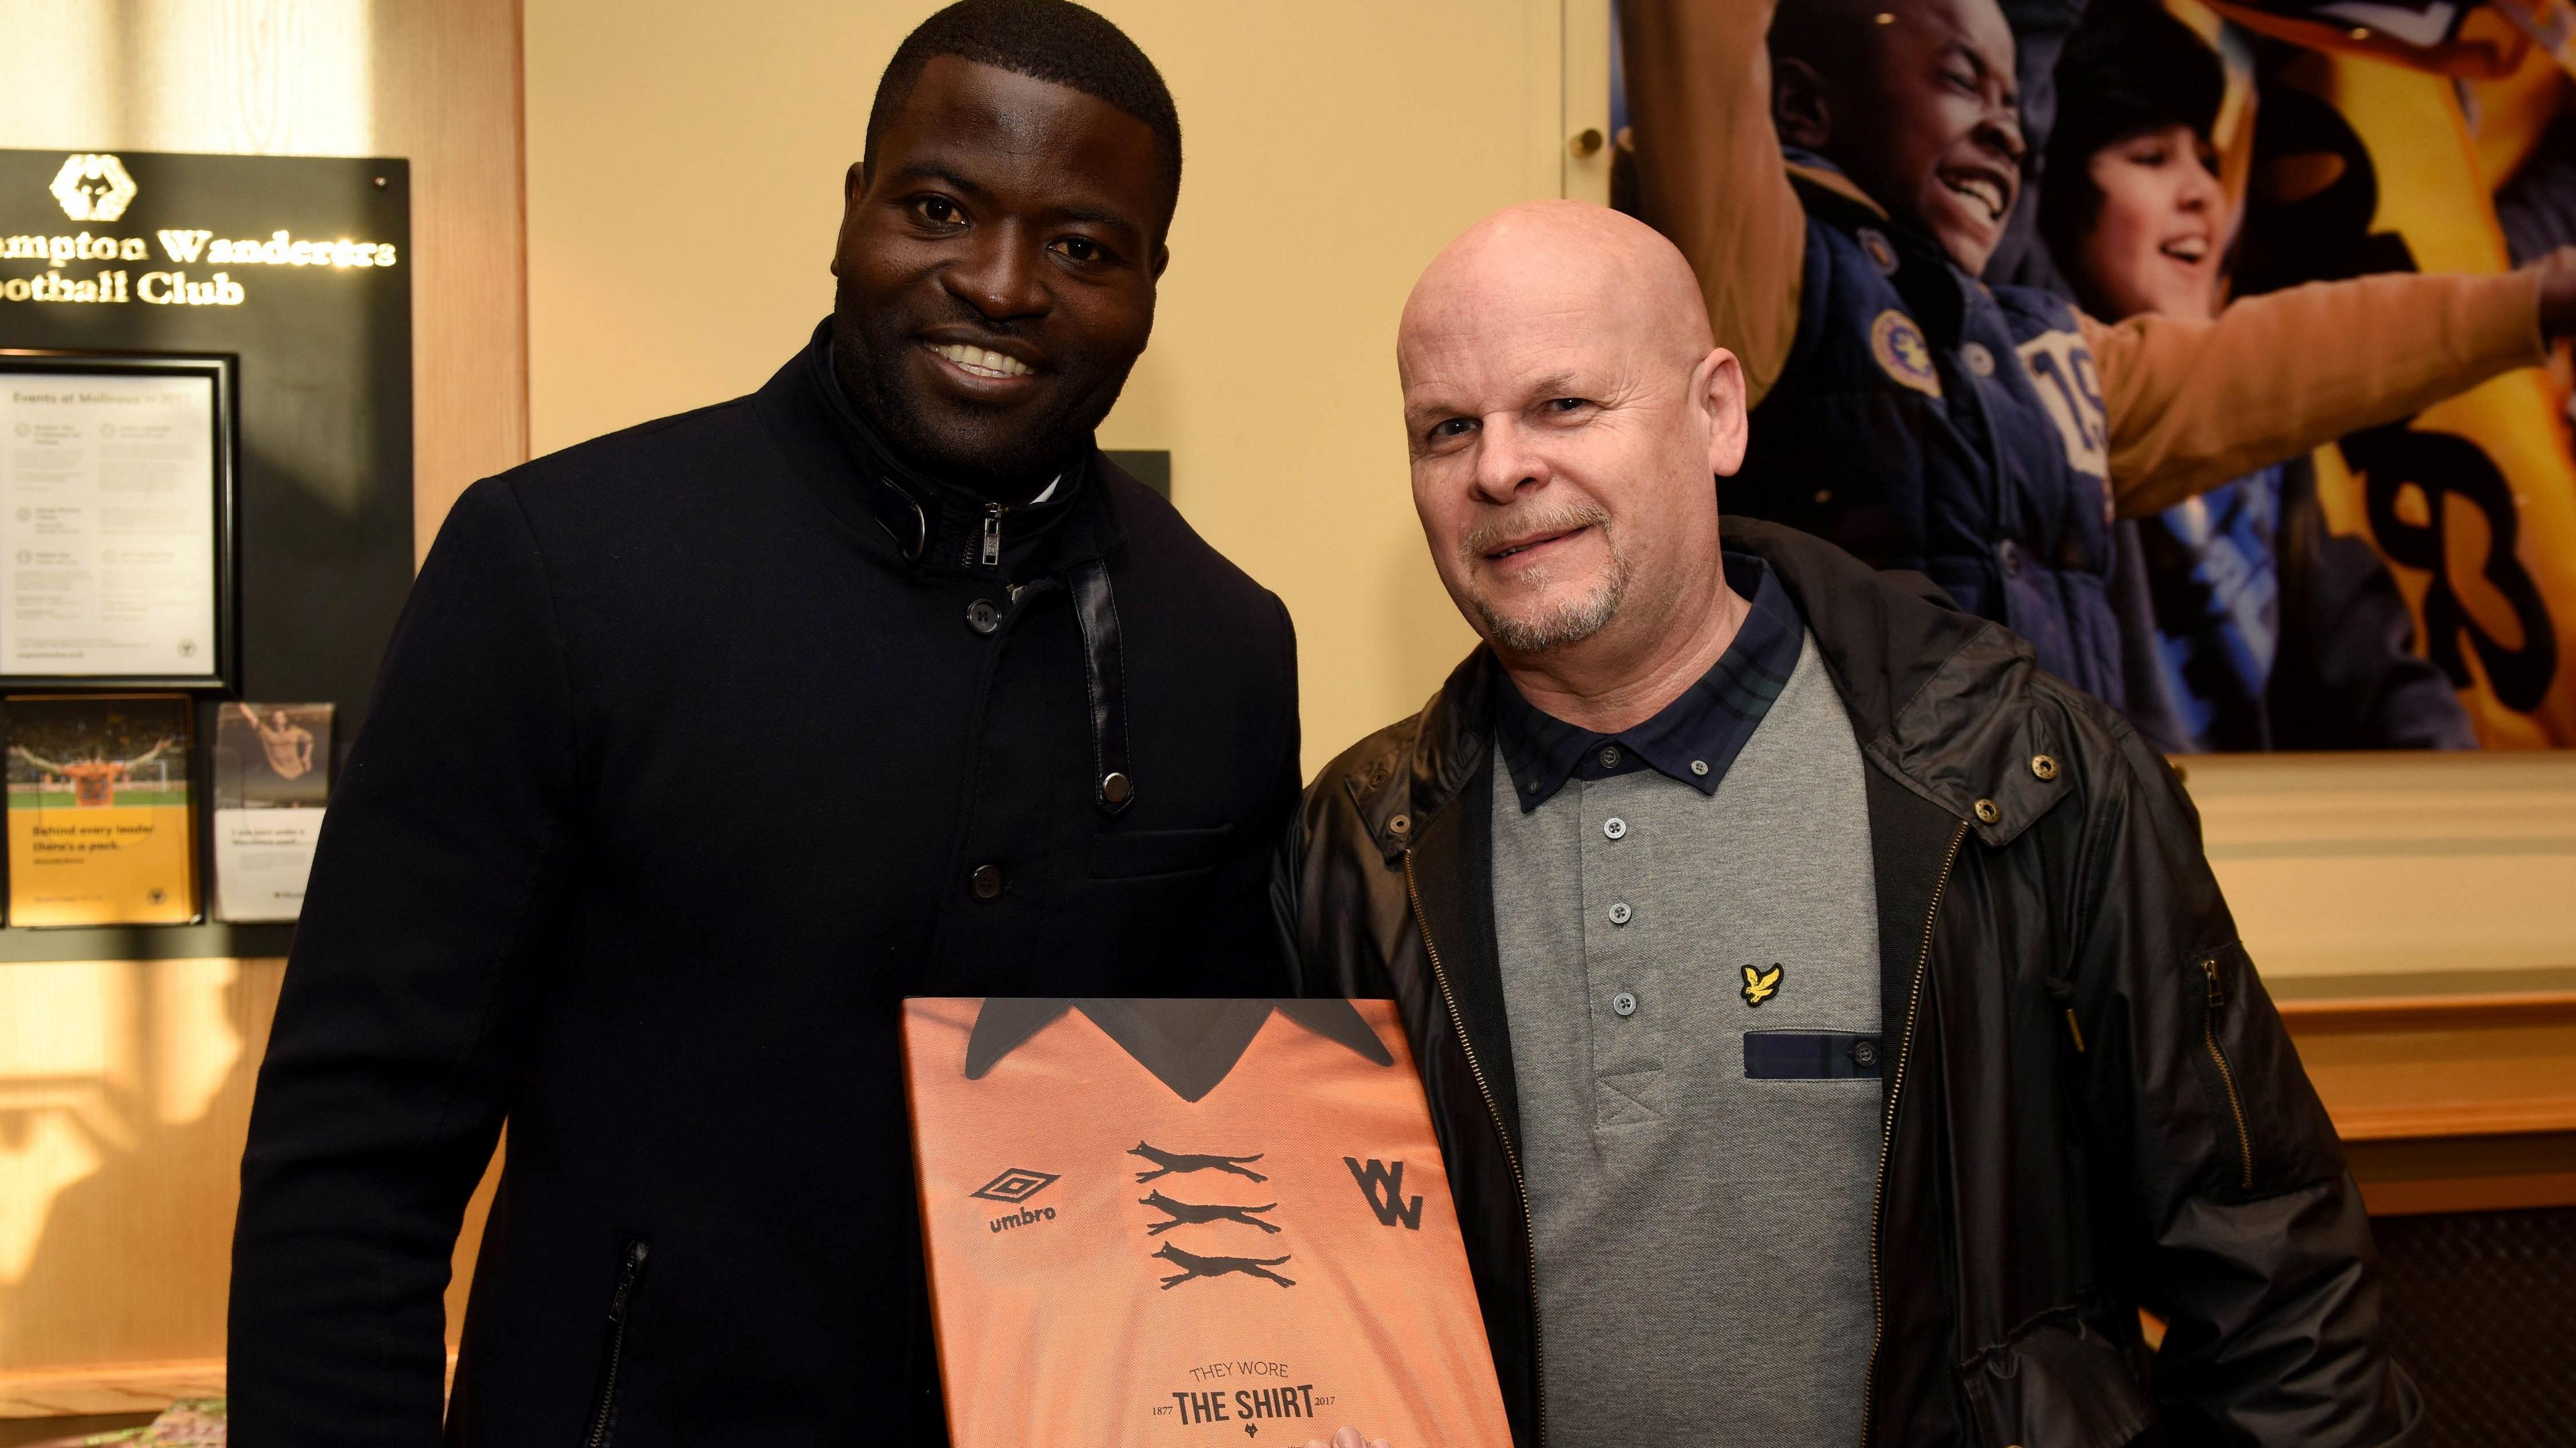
(1565, 409)
(1562, 261)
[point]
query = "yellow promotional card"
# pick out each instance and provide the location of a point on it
(101, 822)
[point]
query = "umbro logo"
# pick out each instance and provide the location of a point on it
(1015, 1186)
(1012, 1188)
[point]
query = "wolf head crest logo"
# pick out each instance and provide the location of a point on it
(93, 186)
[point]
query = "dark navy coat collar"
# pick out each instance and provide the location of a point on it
(935, 526)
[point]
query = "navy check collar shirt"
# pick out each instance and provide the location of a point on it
(1692, 739)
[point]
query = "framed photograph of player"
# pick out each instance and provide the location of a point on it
(101, 810)
(118, 559)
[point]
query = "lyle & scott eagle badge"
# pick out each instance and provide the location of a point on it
(1760, 985)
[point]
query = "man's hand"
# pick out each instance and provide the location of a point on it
(2557, 293)
(1348, 1438)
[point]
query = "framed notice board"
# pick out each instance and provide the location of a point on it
(117, 565)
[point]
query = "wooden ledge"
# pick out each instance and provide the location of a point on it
(2439, 1055)
(2426, 1010)
(107, 1388)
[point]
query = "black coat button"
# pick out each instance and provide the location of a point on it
(983, 616)
(986, 882)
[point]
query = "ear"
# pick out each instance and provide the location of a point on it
(1162, 259)
(1717, 384)
(1800, 109)
(854, 187)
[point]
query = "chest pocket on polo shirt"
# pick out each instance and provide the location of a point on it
(2061, 369)
(1810, 1056)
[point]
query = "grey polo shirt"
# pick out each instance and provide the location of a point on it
(1690, 969)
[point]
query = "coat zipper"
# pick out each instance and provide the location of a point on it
(2226, 1077)
(1440, 976)
(1887, 1129)
(992, 535)
(629, 1272)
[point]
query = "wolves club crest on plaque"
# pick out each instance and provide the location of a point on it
(1190, 1222)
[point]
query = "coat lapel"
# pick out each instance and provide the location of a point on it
(1451, 866)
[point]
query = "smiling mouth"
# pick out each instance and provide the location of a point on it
(1500, 554)
(2189, 250)
(982, 361)
(1981, 187)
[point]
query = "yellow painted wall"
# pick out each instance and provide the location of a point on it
(684, 185)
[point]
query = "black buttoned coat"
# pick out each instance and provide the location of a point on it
(698, 748)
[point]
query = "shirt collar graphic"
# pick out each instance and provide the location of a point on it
(1695, 737)
(1189, 1045)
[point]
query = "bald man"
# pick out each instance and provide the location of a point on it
(1834, 1032)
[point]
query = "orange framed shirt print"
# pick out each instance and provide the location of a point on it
(1190, 1222)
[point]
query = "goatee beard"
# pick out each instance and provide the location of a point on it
(1569, 621)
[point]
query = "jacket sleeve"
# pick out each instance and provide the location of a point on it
(2253, 1244)
(386, 1078)
(2191, 404)
(1238, 951)
(1709, 172)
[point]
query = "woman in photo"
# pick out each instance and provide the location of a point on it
(2250, 625)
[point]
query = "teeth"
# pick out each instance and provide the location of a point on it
(1981, 190)
(983, 362)
(2188, 249)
